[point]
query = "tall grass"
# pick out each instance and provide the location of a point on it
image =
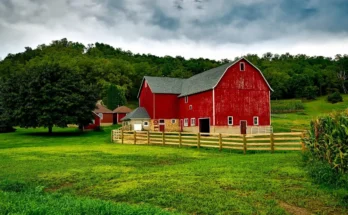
(286, 106)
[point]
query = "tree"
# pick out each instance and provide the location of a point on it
(115, 96)
(48, 94)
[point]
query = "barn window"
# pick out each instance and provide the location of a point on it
(173, 121)
(190, 107)
(161, 121)
(256, 120)
(186, 99)
(186, 122)
(100, 115)
(146, 123)
(193, 122)
(242, 66)
(230, 120)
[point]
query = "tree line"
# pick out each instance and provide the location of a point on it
(111, 73)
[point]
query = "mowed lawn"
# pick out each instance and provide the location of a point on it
(287, 121)
(73, 173)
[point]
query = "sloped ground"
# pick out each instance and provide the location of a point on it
(83, 173)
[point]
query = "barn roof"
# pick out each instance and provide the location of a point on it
(139, 113)
(122, 109)
(203, 81)
(198, 83)
(101, 109)
(164, 84)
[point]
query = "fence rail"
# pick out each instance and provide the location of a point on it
(291, 141)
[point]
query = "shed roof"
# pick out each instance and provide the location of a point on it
(139, 113)
(102, 109)
(122, 109)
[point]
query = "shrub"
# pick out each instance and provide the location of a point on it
(327, 140)
(334, 98)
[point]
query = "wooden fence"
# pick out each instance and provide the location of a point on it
(291, 141)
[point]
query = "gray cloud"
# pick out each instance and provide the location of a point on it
(218, 22)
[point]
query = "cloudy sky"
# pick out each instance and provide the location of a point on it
(191, 28)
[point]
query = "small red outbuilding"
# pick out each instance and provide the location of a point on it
(120, 112)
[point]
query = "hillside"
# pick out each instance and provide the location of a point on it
(312, 109)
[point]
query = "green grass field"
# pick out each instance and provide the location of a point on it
(300, 120)
(74, 173)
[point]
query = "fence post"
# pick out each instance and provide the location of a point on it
(302, 142)
(122, 135)
(180, 139)
(163, 138)
(148, 137)
(198, 140)
(112, 136)
(220, 142)
(272, 143)
(135, 137)
(244, 144)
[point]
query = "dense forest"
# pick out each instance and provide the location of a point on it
(291, 76)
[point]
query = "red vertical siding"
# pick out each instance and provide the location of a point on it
(120, 116)
(243, 95)
(146, 99)
(202, 107)
(108, 118)
(166, 106)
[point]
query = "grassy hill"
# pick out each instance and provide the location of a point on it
(82, 173)
(312, 109)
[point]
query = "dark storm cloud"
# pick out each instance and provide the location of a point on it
(203, 21)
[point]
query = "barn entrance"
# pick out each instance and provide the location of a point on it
(243, 127)
(204, 125)
(161, 125)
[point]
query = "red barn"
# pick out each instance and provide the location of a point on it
(120, 112)
(232, 98)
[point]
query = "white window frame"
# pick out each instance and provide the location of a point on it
(257, 118)
(193, 121)
(173, 121)
(186, 99)
(146, 123)
(240, 66)
(100, 115)
(228, 120)
(190, 107)
(186, 122)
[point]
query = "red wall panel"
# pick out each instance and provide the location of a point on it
(166, 106)
(202, 107)
(146, 99)
(120, 116)
(108, 118)
(243, 95)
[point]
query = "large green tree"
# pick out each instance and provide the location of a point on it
(48, 94)
(115, 96)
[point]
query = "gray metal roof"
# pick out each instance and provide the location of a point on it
(139, 113)
(198, 83)
(164, 84)
(203, 81)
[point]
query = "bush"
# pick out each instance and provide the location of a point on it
(334, 98)
(327, 140)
